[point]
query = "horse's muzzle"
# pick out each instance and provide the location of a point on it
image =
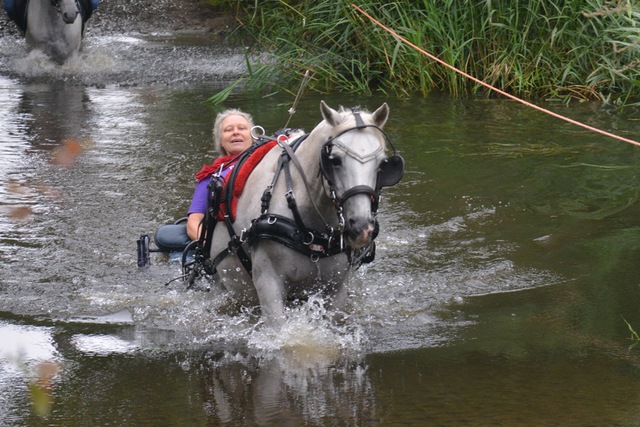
(361, 231)
(69, 17)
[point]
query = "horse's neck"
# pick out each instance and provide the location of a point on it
(42, 9)
(43, 5)
(309, 157)
(308, 153)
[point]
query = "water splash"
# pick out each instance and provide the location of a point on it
(310, 331)
(37, 64)
(128, 60)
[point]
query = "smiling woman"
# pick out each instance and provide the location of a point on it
(232, 135)
(232, 132)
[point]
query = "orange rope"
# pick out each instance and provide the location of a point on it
(566, 119)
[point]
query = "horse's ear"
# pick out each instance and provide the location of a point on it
(381, 115)
(330, 115)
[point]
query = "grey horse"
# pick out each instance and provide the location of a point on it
(280, 274)
(55, 27)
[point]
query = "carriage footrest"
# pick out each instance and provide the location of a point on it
(144, 258)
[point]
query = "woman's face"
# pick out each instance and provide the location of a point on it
(236, 135)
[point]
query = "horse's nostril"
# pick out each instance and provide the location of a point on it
(359, 225)
(69, 17)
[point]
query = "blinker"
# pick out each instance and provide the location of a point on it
(325, 163)
(391, 171)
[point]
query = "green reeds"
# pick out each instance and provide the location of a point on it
(564, 50)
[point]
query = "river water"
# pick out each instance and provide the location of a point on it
(505, 274)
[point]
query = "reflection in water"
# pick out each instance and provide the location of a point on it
(53, 113)
(459, 386)
(116, 366)
(49, 121)
(28, 357)
(26, 343)
(287, 389)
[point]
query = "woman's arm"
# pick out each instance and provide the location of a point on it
(193, 225)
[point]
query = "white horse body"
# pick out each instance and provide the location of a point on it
(57, 33)
(280, 273)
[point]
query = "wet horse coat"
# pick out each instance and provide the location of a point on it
(279, 273)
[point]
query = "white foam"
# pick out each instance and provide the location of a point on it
(26, 344)
(102, 345)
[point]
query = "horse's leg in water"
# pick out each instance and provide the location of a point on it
(269, 285)
(280, 273)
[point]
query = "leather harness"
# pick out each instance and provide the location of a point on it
(292, 233)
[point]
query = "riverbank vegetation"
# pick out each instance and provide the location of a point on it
(546, 49)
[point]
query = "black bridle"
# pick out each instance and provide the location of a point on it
(390, 171)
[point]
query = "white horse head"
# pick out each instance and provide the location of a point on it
(351, 159)
(68, 10)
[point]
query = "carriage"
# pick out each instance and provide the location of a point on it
(301, 233)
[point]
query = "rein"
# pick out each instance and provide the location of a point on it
(294, 233)
(289, 195)
(202, 263)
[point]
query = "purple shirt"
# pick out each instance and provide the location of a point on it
(199, 201)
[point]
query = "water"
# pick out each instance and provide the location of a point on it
(506, 263)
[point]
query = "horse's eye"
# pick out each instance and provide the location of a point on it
(335, 161)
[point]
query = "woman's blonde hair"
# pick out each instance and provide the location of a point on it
(217, 132)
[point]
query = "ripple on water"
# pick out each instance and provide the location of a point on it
(399, 302)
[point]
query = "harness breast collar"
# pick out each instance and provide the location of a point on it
(293, 233)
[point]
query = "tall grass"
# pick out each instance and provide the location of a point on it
(562, 49)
